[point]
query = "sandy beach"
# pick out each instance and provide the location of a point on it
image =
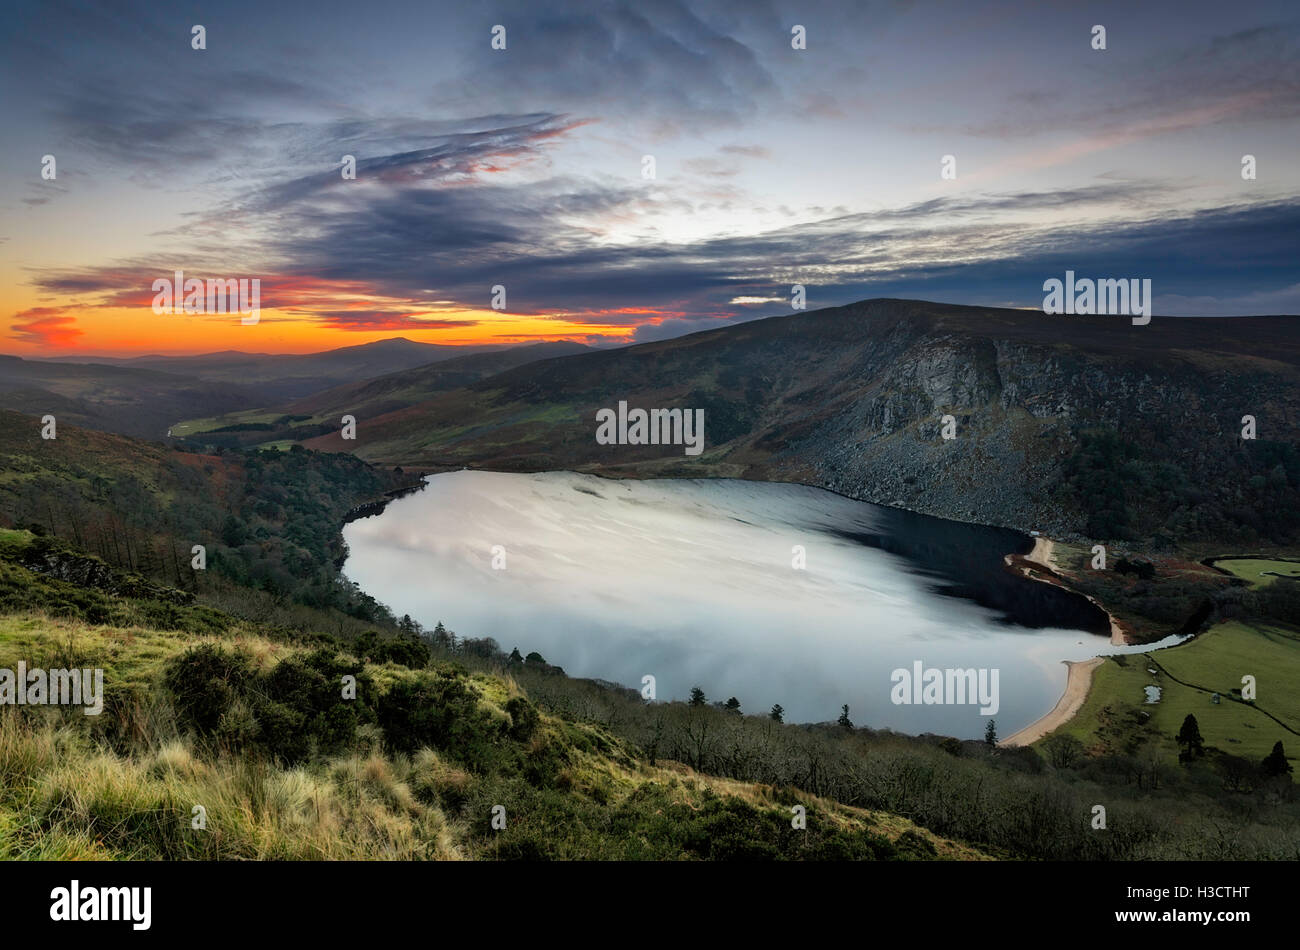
(1044, 555)
(1076, 691)
(1079, 680)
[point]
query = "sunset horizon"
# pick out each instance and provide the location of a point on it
(609, 202)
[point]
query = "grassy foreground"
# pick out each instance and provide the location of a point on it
(125, 785)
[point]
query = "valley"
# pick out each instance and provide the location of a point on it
(847, 400)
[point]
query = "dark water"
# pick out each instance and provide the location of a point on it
(966, 561)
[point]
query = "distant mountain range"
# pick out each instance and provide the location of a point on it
(131, 401)
(293, 375)
(143, 396)
(408, 387)
(322, 412)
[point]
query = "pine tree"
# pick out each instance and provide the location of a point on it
(1275, 763)
(844, 719)
(778, 713)
(697, 696)
(1190, 736)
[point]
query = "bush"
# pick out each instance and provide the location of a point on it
(523, 718)
(438, 709)
(310, 691)
(408, 651)
(205, 682)
(291, 712)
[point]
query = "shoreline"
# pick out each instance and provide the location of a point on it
(1077, 686)
(368, 509)
(1043, 555)
(1079, 675)
(1078, 682)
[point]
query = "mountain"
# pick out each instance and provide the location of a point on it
(280, 377)
(222, 688)
(1081, 427)
(133, 401)
(144, 396)
(322, 411)
(402, 388)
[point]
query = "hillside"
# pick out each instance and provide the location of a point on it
(402, 388)
(268, 521)
(322, 411)
(282, 377)
(248, 722)
(131, 400)
(1082, 427)
(202, 709)
(143, 396)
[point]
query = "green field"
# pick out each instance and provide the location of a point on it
(193, 426)
(1112, 716)
(1259, 570)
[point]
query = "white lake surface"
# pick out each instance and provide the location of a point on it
(691, 581)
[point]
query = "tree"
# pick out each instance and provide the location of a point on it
(232, 532)
(1239, 773)
(777, 713)
(1275, 763)
(444, 638)
(515, 656)
(844, 719)
(1063, 750)
(991, 733)
(697, 696)
(732, 705)
(1190, 736)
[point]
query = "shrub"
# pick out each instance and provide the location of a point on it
(291, 712)
(523, 718)
(439, 709)
(205, 681)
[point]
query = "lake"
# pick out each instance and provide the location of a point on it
(692, 581)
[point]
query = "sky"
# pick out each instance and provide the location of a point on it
(526, 167)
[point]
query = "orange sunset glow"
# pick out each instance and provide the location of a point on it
(294, 324)
(117, 331)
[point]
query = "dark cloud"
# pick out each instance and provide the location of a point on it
(483, 146)
(265, 115)
(415, 243)
(677, 61)
(371, 320)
